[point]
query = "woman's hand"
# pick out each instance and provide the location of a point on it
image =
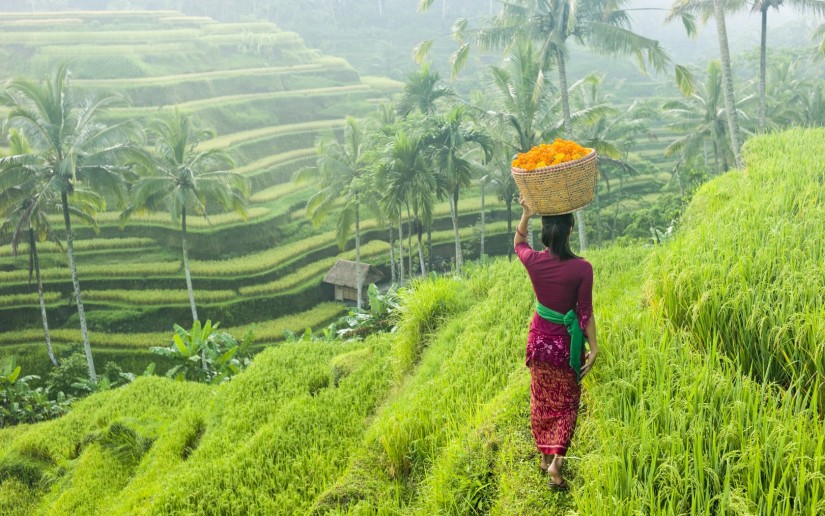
(590, 359)
(528, 211)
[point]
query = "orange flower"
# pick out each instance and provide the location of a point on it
(560, 151)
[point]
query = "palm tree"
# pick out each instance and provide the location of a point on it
(341, 173)
(601, 25)
(685, 9)
(450, 141)
(819, 38)
(421, 92)
(184, 180)
(702, 118)
(70, 148)
(500, 178)
(608, 130)
(22, 208)
(406, 182)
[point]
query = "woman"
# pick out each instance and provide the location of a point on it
(563, 285)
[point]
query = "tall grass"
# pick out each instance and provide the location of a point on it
(745, 271)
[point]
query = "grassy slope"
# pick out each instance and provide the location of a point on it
(434, 419)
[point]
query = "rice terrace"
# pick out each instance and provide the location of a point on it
(528, 257)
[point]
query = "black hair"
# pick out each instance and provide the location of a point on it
(555, 234)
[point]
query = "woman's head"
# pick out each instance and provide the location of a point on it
(555, 234)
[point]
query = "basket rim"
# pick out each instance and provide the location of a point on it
(561, 166)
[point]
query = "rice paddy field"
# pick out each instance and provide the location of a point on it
(706, 398)
(269, 98)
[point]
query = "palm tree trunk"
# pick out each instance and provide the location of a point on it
(459, 258)
(419, 229)
(598, 219)
(81, 313)
(509, 204)
(358, 279)
(568, 129)
(763, 68)
(189, 278)
(727, 82)
(400, 249)
(186, 268)
(430, 246)
(409, 240)
(481, 251)
(36, 268)
(392, 257)
(565, 94)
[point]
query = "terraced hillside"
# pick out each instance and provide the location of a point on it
(269, 98)
(434, 418)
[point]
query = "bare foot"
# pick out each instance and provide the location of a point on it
(555, 474)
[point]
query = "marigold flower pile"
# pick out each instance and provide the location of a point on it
(548, 154)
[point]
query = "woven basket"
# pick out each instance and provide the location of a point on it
(562, 188)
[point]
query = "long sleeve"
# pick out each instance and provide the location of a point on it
(584, 305)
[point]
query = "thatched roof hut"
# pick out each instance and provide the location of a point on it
(343, 276)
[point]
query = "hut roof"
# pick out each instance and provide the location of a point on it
(343, 273)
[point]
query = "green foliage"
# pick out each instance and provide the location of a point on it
(422, 309)
(751, 285)
(205, 354)
(382, 308)
(19, 403)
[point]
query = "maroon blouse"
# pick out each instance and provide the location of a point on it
(561, 285)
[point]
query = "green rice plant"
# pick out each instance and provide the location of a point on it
(229, 140)
(109, 270)
(277, 159)
(158, 297)
(265, 331)
(744, 271)
(177, 79)
(219, 219)
(234, 28)
(228, 100)
(146, 49)
(313, 271)
(423, 307)
(54, 22)
(101, 37)
(92, 244)
(28, 299)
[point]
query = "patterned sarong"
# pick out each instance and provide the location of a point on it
(554, 405)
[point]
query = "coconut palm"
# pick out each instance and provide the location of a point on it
(608, 130)
(71, 149)
(450, 141)
(342, 175)
(184, 180)
(498, 176)
(23, 204)
(685, 9)
(407, 183)
(601, 25)
(421, 92)
(702, 120)
(819, 38)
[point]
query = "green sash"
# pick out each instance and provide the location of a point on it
(576, 336)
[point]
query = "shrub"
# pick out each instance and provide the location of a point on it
(19, 403)
(205, 354)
